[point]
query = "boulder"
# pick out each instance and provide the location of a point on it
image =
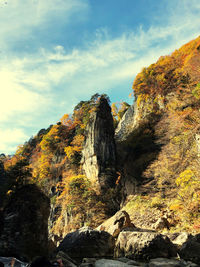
(25, 220)
(87, 242)
(143, 245)
(110, 263)
(178, 239)
(114, 225)
(161, 224)
(190, 250)
(163, 262)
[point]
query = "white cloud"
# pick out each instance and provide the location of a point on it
(16, 98)
(19, 18)
(10, 138)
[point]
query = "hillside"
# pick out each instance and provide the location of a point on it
(161, 138)
(148, 164)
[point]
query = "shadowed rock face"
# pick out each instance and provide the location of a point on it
(87, 242)
(25, 232)
(99, 157)
(144, 245)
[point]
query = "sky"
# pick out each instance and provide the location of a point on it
(55, 53)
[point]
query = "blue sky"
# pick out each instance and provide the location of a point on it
(55, 53)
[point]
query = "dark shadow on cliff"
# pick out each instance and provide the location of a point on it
(25, 223)
(136, 153)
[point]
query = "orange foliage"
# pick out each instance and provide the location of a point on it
(170, 72)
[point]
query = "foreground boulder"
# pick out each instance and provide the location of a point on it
(178, 239)
(190, 250)
(25, 227)
(87, 242)
(144, 245)
(163, 262)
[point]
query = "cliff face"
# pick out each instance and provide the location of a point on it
(136, 143)
(157, 140)
(98, 155)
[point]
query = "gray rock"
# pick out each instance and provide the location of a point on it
(128, 261)
(123, 127)
(110, 263)
(98, 155)
(143, 245)
(87, 242)
(133, 263)
(86, 264)
(115, 224)
(163, 262)
(123, 259)
(161, 224)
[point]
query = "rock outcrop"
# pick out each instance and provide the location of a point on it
(87, 242)
(190, 250)
(117, 223)
(99, 157)
(135, 143)
(144, 245)
(25, 232)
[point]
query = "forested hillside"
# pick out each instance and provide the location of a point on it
(146, 155)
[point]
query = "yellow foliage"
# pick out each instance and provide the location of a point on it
(78, 140)
(142, 98)
(50, 139)
(185, 177)
(66, 120)
(156, 201)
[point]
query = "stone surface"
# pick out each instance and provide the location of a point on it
(110, 263)
(143, 245)
(125, 125)
(161, 224)
(190, 250)
(98, 155)
(135, 144)
(179, 239)
(87, 242)
(25, 232)
(162, 262)
(117, 223)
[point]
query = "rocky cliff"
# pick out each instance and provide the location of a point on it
(98, 154)
(136, 143)
(157, 140)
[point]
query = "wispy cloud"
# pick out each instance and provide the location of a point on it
(20, 18)
(36, 89)
(10, 137)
